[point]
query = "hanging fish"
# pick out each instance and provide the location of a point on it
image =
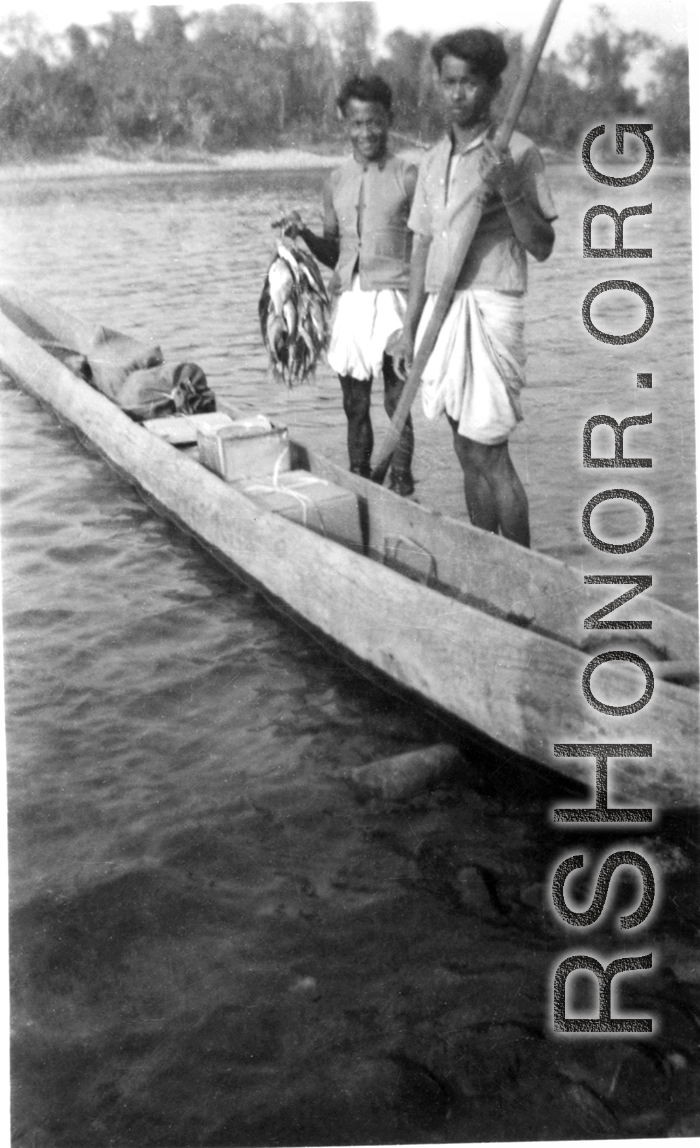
(294, 312)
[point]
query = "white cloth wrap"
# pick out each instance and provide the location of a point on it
(477, 368)
(362, 325)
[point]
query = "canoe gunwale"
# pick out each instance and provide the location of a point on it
(507, 680)
(523, 587)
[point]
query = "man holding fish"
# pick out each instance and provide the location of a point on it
(366, 240)
(477, 367)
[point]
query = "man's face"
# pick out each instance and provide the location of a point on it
(368, 128)
(467, 93)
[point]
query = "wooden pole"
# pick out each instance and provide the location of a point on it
(447, 290)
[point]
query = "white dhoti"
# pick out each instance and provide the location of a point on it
(362, 325)
(477, 368)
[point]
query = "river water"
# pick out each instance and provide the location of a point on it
(216, 942)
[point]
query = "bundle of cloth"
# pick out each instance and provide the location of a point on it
(136, 378)
(132, 374)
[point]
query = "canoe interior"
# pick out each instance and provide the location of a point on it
(449, 555)
(495, 576)
(518, 684)
(502, 579)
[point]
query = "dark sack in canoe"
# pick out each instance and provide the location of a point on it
(135, 377)
(169, 389)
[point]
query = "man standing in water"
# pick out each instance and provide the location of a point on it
(476, 370)
(366, 239)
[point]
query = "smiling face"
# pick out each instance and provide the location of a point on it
(467, 93)
(368, 128)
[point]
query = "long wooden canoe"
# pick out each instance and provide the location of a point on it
(484, 631)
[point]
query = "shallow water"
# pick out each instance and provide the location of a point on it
(216, 942)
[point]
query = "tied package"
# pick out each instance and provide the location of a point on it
(247, 447)
(327, 509)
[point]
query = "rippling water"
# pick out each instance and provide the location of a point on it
(217, 944)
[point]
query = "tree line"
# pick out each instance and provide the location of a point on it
(244, 76)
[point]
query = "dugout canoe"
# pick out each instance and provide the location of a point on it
(482, 630)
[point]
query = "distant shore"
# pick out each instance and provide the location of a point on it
(91, 165)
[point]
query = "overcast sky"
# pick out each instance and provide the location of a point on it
(666, 18)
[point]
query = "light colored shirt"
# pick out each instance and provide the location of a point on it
(448, 182)
(367, 208)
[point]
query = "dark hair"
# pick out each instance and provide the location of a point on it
(370, 89)
(483, 50)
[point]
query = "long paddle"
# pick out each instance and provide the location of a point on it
(447, 290)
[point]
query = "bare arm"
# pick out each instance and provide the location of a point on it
(326, 247)
(531, 228)
(529, 225)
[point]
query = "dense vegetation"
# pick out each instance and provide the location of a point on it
(244, 76)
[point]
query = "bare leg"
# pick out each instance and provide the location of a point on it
(356, 404)
(495, 495)
(401, 479)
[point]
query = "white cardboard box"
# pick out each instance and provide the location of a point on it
(245, 448)
(322, 506)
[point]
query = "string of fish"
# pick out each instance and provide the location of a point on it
(294, 311)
